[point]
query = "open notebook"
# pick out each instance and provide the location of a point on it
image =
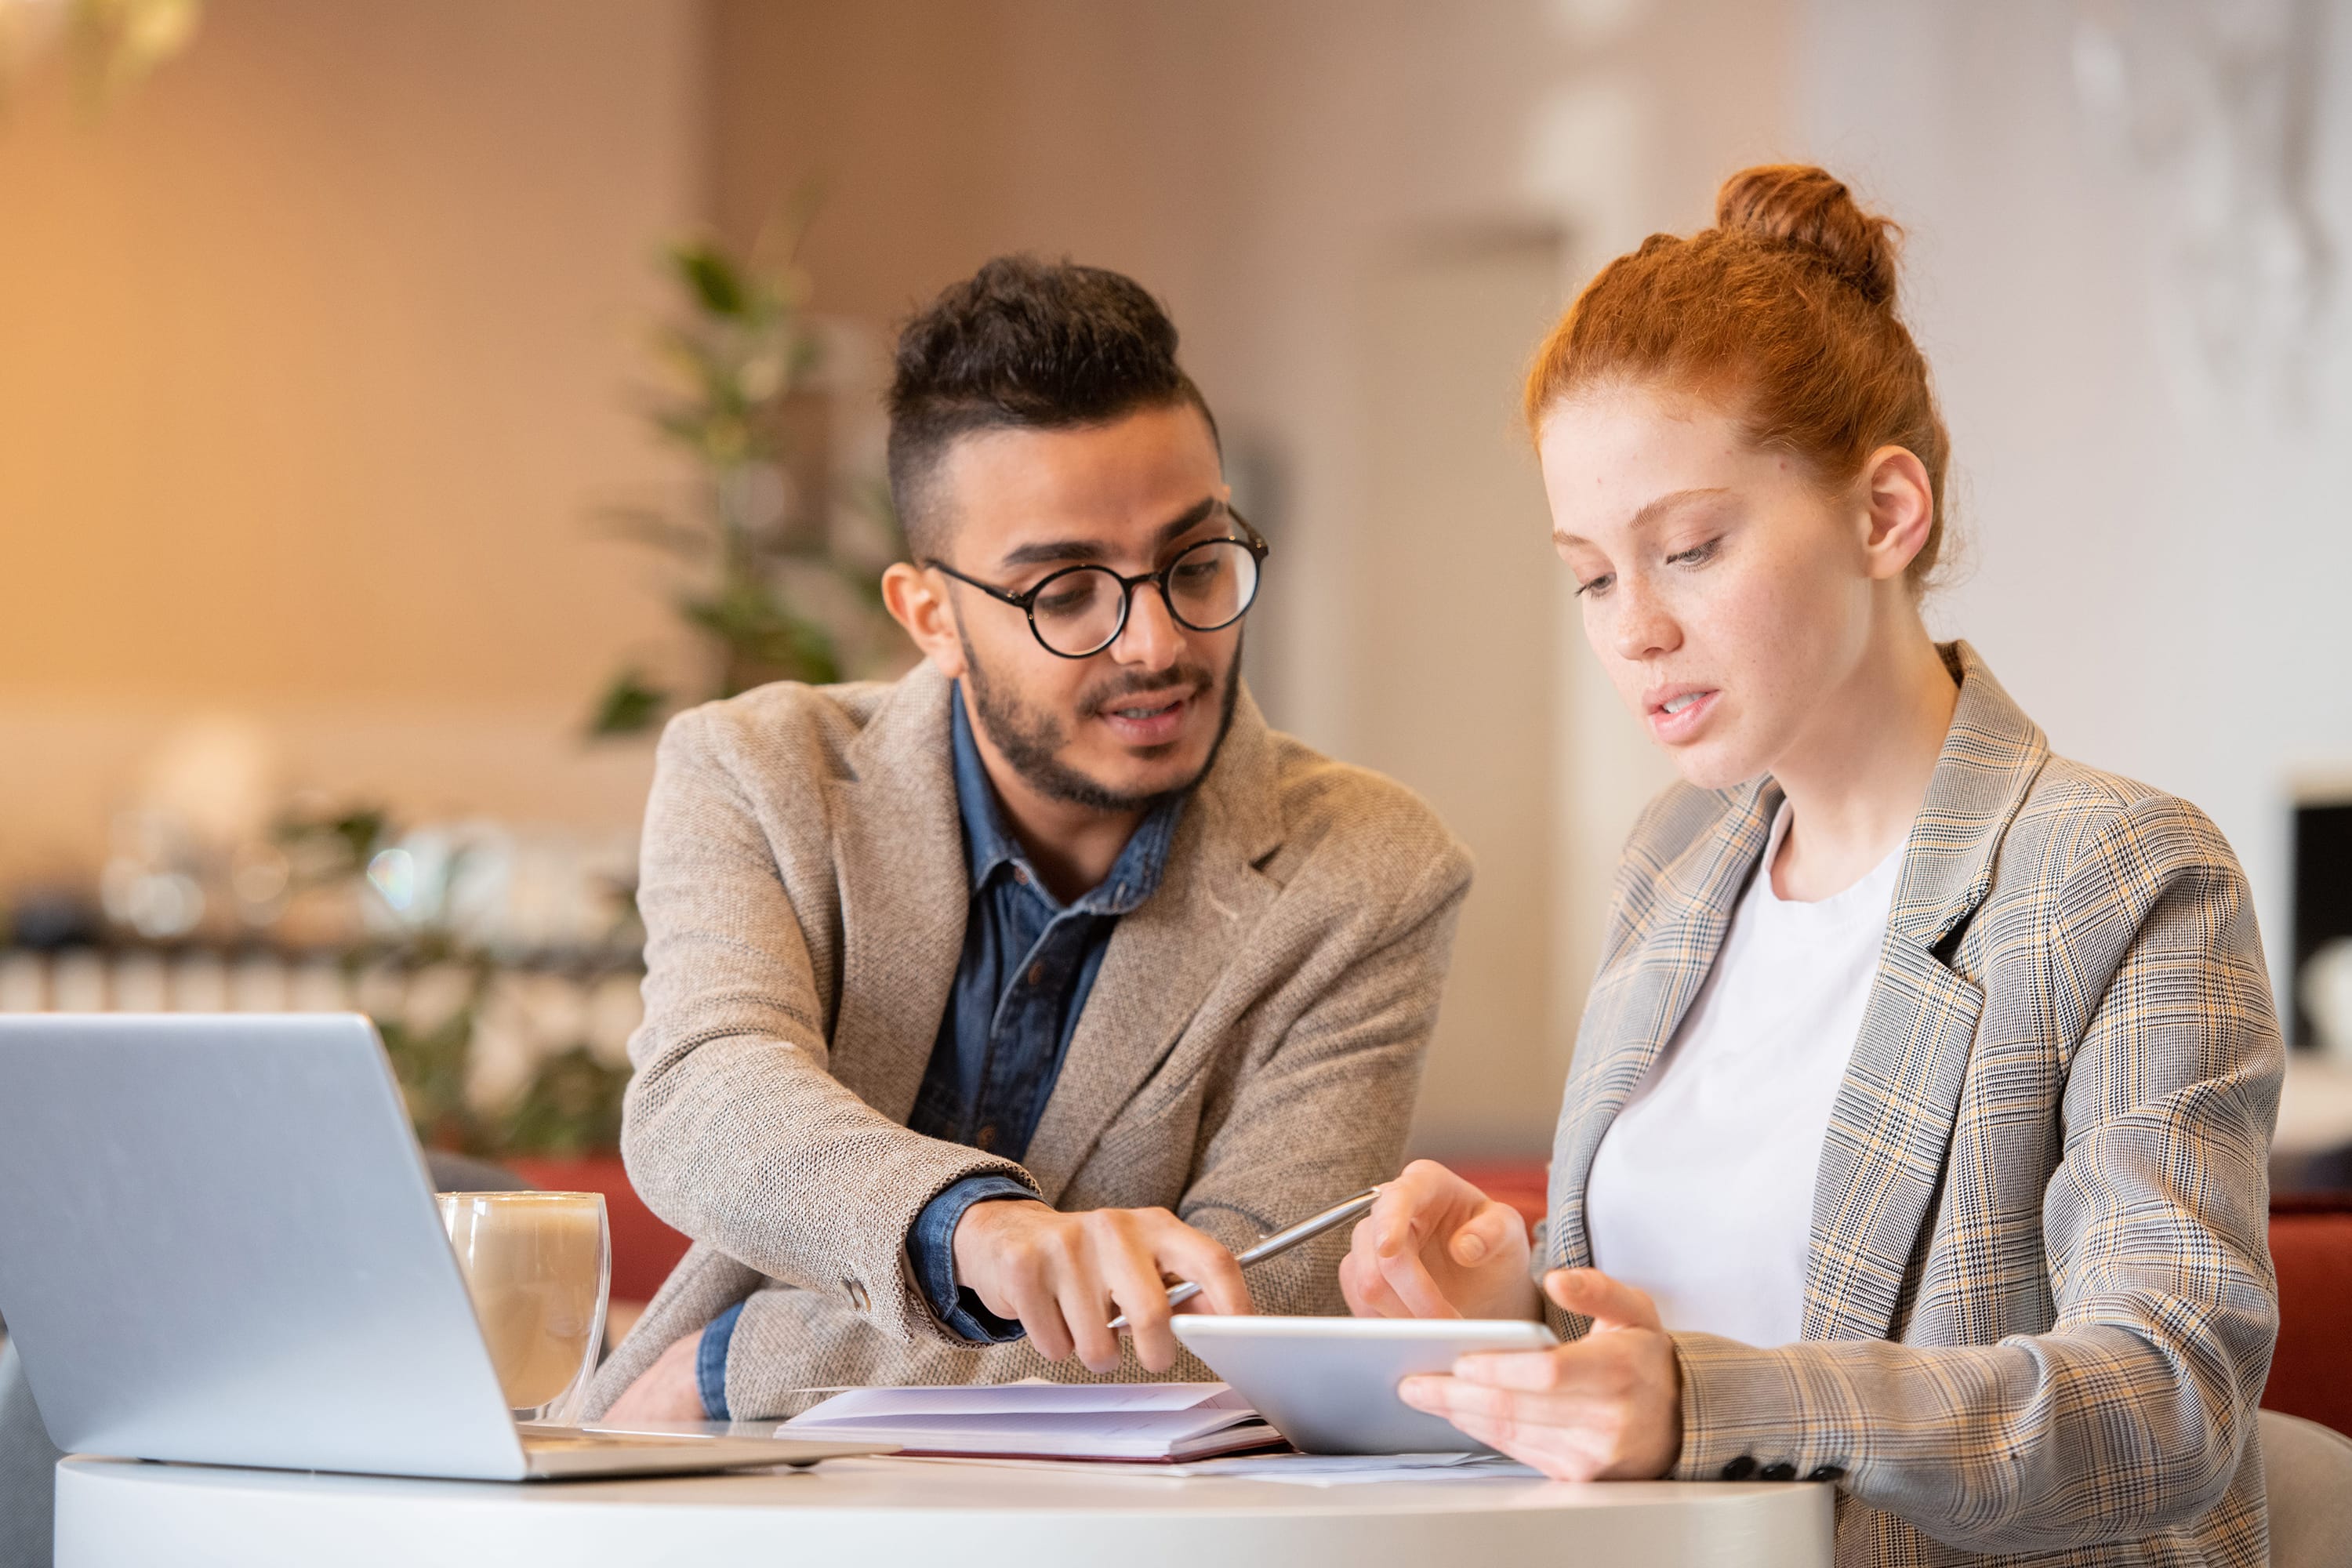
(1161, 1422)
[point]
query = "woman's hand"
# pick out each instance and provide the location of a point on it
(1435, 1247)
(1606, 1407)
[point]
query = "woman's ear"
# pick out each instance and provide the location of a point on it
(1902, 511)
(917, 600)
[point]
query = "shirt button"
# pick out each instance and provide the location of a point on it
(1826, 1473)
(987, 1139)
(1740, 1469)
(1021, 876)
(1783, 1471)
(1037, 974)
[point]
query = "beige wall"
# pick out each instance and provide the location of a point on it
(317, 349)
(315, 359)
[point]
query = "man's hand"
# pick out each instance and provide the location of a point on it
(1606, 1407)
(1437, 1247)
(1067, 1276)
(666, 1391)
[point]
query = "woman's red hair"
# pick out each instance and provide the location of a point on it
(1785, 310)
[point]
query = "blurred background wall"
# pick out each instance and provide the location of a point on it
(316, 354)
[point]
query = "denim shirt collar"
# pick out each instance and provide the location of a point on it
(990, 848)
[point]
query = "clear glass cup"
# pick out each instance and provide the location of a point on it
(539, 1267)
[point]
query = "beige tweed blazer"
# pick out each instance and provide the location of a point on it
(1250, 1052)
(2040, 1306)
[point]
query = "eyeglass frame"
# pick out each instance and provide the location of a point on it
(1026, 601)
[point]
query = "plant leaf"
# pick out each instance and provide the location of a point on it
(629, 706)
(716, 286)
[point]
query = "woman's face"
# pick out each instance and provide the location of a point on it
(1727, 592)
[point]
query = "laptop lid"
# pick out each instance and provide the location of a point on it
(218, 1243)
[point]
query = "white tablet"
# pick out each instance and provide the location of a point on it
(1329, 1384)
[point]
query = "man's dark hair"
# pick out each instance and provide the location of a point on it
(1023, 344)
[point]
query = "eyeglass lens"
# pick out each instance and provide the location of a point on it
(1208, 586)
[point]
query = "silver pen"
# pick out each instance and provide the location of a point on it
(1281, 1241)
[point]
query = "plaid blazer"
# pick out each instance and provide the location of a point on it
(1250, 1052)
(2038, 1308)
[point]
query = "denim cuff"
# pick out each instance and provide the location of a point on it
(710, 1363)
(930, 1248)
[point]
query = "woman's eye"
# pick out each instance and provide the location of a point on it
(1694, 554)
(1597, 585)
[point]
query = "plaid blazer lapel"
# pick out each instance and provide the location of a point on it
(1891, 1125)
(1639, 1001)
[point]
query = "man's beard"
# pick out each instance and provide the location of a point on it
(1032, 742)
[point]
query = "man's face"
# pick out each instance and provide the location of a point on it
(1143, 717)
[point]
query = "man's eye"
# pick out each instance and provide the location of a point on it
(1596, 585)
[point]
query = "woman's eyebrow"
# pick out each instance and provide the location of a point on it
(1673, 500)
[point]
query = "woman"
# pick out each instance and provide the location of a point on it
(1916, 1134)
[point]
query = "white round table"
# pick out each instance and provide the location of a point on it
(869, 1513)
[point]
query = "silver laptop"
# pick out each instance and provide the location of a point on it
(218, 1243)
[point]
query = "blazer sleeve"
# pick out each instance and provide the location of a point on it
(1322, 1112)
(2130, 1415)
(734, 1130)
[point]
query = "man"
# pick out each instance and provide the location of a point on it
(979, 1003)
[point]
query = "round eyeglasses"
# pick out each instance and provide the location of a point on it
(1080, 611)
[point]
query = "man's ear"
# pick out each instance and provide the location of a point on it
(917, 600)
(1901, 504)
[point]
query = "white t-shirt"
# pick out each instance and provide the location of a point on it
(1702, 1191)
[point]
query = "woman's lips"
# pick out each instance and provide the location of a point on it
(1684, 722)
(1150, 720)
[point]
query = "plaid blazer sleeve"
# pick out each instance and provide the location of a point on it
(2129, 1414)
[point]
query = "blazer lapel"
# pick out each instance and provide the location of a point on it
(1637, 1005)
(905, 894)
(1165, 956)
(1891, 1125)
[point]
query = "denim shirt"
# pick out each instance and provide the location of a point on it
(1028, 965)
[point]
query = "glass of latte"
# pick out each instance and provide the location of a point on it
(539, 1267)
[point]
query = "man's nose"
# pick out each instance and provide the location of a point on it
(1152, 639)
(1642, 628)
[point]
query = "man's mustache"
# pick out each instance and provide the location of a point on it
(1184, 680)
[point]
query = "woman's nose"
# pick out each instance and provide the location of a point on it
(1642, 628)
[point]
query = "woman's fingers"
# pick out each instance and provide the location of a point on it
(1609, 1303)
(1527, 1370)
(1490, 1231)
(1367, 1294)
(1409, 1277)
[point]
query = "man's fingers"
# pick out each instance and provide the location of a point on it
(1135, 1290)
(1609, 1303)
(669, 1390)
(1084, 1301)
(1034, 1302)
(1194, 1254)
